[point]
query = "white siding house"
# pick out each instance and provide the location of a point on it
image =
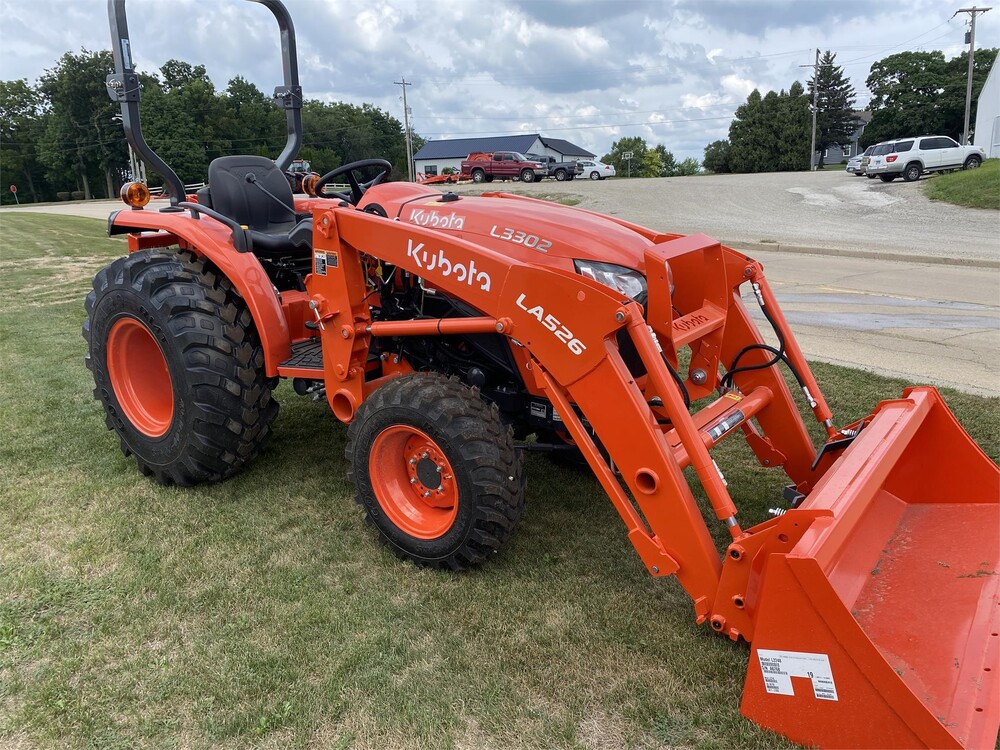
(987, 132)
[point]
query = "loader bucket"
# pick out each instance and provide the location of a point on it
(878, 627)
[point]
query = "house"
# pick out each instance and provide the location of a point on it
(987, 132)
(837, 154)
(435, 156)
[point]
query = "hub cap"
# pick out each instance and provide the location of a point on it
(140, 378)
(413, 482)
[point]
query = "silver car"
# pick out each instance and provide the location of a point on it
(856, 164)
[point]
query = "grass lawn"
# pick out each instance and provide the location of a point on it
(261, 612)
(976, 188)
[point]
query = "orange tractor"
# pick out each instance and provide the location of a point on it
(446, 331)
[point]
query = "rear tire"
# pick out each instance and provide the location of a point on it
(178, 367)
(478, 175)
(436, 471)
(887, 177)
(560, 175)
(912, 172)
(595, 175)
(972, 162)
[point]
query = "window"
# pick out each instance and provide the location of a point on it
(929, 144)
(946, 142)
(508, 157)
(847, 151)
(430, 169)
(903, 146)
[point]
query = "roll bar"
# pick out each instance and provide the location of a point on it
(124, 88)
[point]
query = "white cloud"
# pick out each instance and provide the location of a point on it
(589, 71)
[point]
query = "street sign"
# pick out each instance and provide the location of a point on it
(627, 155)
(13, 189)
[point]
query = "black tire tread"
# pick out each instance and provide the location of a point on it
(485, 444)
(223, 360)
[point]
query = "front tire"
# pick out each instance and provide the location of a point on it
(972, 162)
(178, 367)
(527, 175)
(436, 471)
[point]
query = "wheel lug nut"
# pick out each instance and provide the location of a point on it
(413, 480)
(440, 469)
(424, 454)
(427, 494)
(413, 461)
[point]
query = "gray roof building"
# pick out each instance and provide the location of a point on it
(460, 148)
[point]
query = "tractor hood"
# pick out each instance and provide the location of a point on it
(535, 232)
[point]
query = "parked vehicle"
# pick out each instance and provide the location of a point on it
(560, 170)
(485, 166)
(856, 164)
(911, 157)
(446, 331)
(596, 170)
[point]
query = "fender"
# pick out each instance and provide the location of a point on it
(211, 240)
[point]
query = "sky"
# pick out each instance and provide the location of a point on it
(588, 71)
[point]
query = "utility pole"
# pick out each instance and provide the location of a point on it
(814, 108)
(973, 11)
(406, 123)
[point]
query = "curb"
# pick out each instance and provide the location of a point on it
(777, 247)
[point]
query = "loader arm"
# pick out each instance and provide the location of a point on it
(568, 324)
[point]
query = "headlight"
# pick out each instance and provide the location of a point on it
(628, 281)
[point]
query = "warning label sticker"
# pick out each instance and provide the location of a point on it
(779, 667)
(319, 262)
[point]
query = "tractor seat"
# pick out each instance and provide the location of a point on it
(276, 230)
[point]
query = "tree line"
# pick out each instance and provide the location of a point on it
(62, 138)
(913, 93)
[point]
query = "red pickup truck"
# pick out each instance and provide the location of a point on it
(483, 166)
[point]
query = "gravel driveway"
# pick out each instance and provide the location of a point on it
(819, 210)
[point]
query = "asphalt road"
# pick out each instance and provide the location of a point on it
(869, 274)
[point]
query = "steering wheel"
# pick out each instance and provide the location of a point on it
(358, 189)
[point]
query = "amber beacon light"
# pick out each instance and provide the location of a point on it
(135, 194)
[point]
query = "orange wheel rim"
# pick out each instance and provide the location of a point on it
(413, 481)
(140, 378)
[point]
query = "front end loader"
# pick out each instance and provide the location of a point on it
(452, 333)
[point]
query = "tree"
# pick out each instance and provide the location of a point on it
(667, 164)
(81, 139)
(771, 133)
(914, 93)
(688, 167)
(717, 157)
(835, 118)
(616, 157)
(20, 128)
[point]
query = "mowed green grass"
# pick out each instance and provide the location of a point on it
(976, 188)
(261, 612)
